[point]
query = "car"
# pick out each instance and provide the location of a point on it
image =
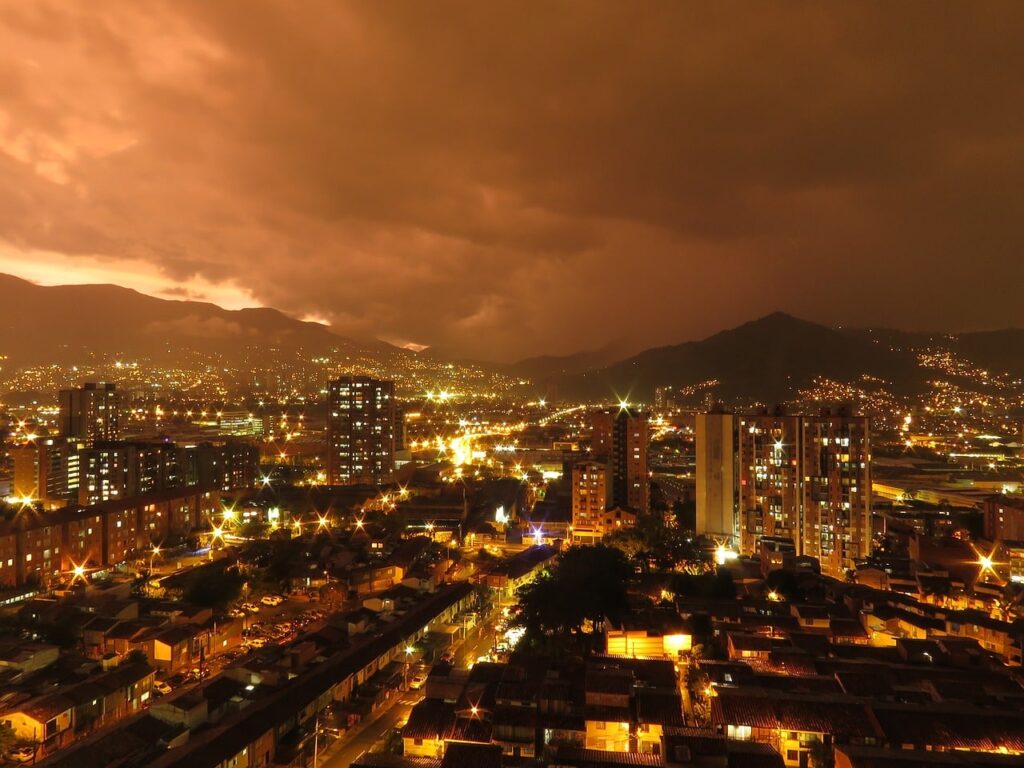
(250, 607)
(22, 754)
(272, 600)
(161, 687)
(416, 681)
(237, 613)
(447, 657)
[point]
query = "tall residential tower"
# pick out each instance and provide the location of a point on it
(91, 412)
(620, 439)
(360, 430)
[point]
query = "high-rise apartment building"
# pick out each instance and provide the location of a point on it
(590, 495)
(91, 412)
(716, 476)
(620, 438)
(118, 470)
(360, 430)
(768, 448)
(225, 465)
(47, 469)
(836, 495)
(593, 517)
(806, 479)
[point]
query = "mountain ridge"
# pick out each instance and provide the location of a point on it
(38, 322)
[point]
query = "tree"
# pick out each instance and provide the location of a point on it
(629, 541)
(137, 656)
(60, 634)
(820, 754)
(215, 588)
(718, 585)
(652, 543)
(286, 561)
(567, 607)
(783, 583)
(254, 529)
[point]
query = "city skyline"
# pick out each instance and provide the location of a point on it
(575, 384)
(449, 185)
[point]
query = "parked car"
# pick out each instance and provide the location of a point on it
(250, 607)
(272, 600)
(161, 687)
(22, 754)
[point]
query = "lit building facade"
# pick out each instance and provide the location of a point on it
(90, 413)
(769, 478)
(620, 438)
(716, 476)
(836, 494)
(806, 479)
(590, 496)
(360, 430)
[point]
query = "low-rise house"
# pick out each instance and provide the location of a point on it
(790, 723)
(171, 649)
(27, 657)
(655, 634)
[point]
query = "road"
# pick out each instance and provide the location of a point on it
(384, 720)
(478, 643)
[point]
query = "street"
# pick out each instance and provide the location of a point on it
(383, 721)
(478, 643)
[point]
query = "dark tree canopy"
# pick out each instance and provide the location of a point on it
(587, 586)
(215, 588)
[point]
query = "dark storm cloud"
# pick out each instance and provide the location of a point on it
(508, 179)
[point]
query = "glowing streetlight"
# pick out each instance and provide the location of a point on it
(723, 554)
(322, 522)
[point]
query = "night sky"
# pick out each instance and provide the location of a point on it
(503, 180)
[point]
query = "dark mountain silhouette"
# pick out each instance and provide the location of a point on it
(545, 366)
(57, 323)
(766, 359)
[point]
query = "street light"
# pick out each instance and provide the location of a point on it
(408, 656)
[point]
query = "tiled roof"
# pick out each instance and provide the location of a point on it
(816, 714)
(465, 755)
(951, 727)
(656, 707)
